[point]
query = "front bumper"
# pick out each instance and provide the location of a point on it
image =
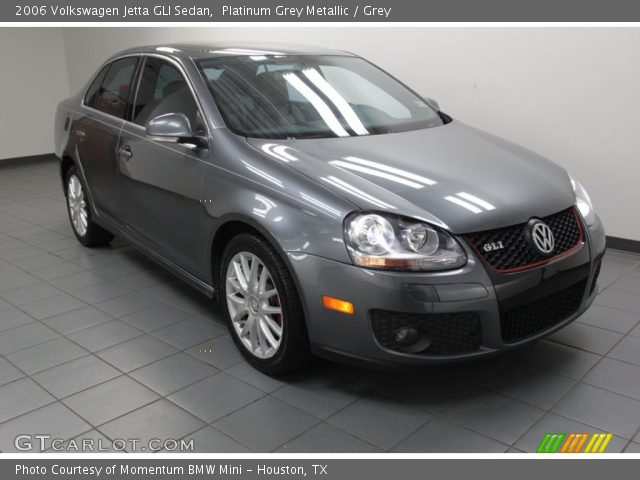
(474, 290)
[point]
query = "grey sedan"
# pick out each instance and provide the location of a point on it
(328, 207)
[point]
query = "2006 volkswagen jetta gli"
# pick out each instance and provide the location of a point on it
(328, 207)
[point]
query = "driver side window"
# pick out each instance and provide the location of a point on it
(163, 90)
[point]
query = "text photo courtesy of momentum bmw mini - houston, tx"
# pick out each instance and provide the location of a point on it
(381, 240)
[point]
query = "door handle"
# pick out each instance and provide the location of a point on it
(81, 134)
(125, 152)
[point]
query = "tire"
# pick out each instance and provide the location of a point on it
(293, 351)
(88, 233)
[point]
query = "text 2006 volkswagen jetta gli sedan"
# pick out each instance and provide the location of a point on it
(330, 208)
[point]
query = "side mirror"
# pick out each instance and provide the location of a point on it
(172, 128)
(432, 103)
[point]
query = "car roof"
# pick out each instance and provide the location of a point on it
(199, 51)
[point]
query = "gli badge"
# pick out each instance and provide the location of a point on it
(541, 237)
(493, 246)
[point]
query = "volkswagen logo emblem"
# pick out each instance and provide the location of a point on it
(542, 238)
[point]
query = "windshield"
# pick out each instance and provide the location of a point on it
(312, 97)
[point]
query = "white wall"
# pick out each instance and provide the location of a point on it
(32, 82)
(571, 94)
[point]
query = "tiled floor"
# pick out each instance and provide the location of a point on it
(101, 344)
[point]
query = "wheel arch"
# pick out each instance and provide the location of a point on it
(234, 225)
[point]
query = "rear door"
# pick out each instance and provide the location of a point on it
(106, 105)
(162, 182)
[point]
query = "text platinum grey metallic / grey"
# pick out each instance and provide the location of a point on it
(328, 207)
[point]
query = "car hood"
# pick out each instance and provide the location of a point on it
(455, 176)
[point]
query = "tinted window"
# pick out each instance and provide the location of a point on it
(90, 97)
(312, 96)
(162, 90)
(112, 96)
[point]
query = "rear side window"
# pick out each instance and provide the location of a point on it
(111, 89)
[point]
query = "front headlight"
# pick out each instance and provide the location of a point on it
(388, 242)
(583, 202)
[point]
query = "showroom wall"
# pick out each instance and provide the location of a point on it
(29, 95)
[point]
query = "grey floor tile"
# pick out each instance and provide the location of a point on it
(494, 415)
(126, 304)
(29, 264)
(79, 280)
(628, 284)
(189, 332)
(160, 420)
(610, 318)
(618, 377)
(265, 425)
(8, 373)
(4, 305)
(635, 332)
(210, 440)
(633, 447)
(52, 272)
(105, 335)
(12, 318)
(24, 336)
(24, 295)
(46, 355)
(441, 436)
(586, 337)
(559, 359)
(21, 396)
(110, 400)
(136, 353)
(324, 438)
(48, 307)
(156, 317)
(220, 352)
(17, 280)
(319, 395)
(602, 409)
(250, 375)
(76, 320)
(145, 279)
(75, 376)
(173, 373)
(629, 302)
(552, 423)
(55, 420)
(379, 421)
(101, 292)
(628, 350)
(216, 396)
(540, 388)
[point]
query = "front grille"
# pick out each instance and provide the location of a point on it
(518, 253)
(450, 333)
(525, 320)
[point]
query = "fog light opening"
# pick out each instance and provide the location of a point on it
(411, 339)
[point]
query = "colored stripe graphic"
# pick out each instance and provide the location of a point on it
(555, 442)
(550, 442)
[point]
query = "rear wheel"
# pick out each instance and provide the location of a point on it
(87, 232)
(262, 306)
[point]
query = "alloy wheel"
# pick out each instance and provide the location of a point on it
(77, 205)
(254, 305)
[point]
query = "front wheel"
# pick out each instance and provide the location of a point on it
(88, 233)
(263, 309)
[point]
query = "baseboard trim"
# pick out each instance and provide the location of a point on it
(46, 157)
(623, 244)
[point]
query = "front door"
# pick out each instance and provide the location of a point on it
(162, 182)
